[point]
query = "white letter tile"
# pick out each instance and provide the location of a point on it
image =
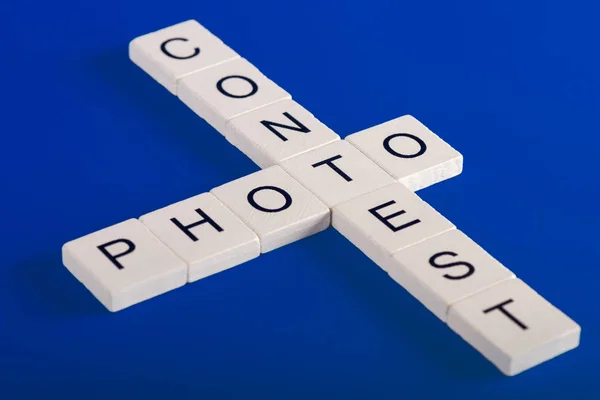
(221, 93)
(446, 269)
(277, 132)
(337, 172)
(387, 220)
(513, 326)
(205, 234)
(171, 53)
(410, 152)
(124, 264)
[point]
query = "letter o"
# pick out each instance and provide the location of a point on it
(422, 145)
(163, 48)
(237, 96)
(286, 196)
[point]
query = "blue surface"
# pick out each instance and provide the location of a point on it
(90, 140)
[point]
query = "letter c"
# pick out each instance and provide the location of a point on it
(163, 48)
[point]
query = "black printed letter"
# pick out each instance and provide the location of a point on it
(237, 96)
(163, 47)
(186, 228)
(298, 128)
(386, 145)
(388, 217)
(500, 307)
(113, 258)
(286, 196)
(432, 262)
(334, 167)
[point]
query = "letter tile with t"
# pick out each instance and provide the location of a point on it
(513, 326)
(337, 172)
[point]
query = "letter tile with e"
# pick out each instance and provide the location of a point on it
(387, 220)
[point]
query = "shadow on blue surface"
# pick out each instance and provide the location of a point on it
(47, 289)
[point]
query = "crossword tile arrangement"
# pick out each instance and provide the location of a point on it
(363, 186)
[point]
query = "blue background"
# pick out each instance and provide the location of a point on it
(90, 140)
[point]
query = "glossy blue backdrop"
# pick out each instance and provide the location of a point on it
(90, 140)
